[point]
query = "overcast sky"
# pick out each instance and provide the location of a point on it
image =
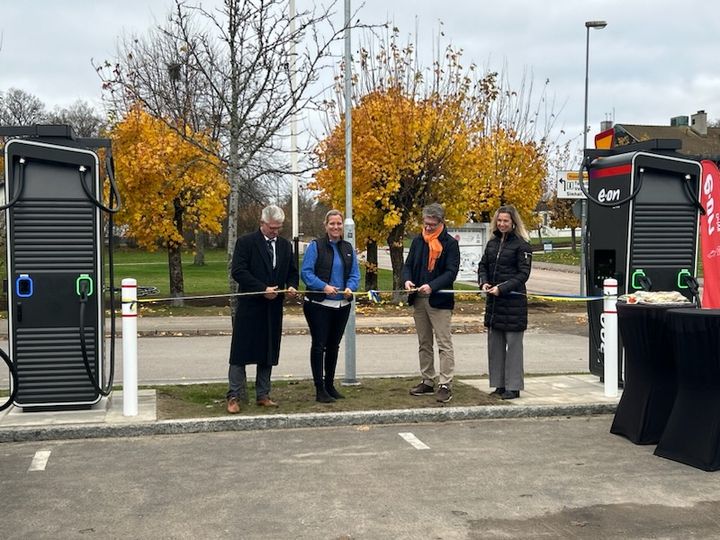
(656, 59)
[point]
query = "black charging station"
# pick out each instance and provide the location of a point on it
(642, 227)
(56, 282)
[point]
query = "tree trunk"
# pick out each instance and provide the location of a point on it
(177, 284)
(395, 242)
(371, 266)
(539, 230)
(199, 259)
(176, 274)
(232, 238)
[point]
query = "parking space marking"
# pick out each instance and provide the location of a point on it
(39, 460)
(414, 441)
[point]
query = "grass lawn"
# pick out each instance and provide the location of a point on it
(558, 256)
(208, 400)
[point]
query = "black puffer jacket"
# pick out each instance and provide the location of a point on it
(506, 263)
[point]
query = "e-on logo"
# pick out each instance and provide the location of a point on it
(609, 195)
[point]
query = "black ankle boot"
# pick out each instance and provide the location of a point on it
(332, 392)
(321, 396)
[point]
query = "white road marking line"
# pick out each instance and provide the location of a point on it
(414, 441)
(39, 461)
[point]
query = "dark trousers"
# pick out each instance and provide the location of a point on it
(237, 380)
(327, 326)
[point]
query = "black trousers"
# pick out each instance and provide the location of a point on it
(327, 326)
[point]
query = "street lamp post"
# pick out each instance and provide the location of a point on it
(583, 219)
(349, 225)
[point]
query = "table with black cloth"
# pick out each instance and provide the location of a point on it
(650, 380)
(692, 433)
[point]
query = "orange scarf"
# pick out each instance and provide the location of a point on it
(434, 245)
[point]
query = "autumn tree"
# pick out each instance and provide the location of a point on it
(562, 216)
(167, 184)
(514, 153)
(505, 170)
(412, 130)
(237, 62)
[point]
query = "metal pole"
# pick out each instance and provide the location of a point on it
(349, 225)
(583, 204)
(293, 140)
(129, 343)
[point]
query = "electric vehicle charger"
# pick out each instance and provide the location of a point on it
(13, 379)
(642, 226)
(49, 146)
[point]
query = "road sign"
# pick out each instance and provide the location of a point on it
(568, 186)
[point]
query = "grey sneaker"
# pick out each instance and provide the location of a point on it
(422, 389)
(444, 394)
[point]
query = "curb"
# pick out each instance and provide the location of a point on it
(295, 421)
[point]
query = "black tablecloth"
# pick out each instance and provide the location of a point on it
(650, 380)
(692, 433)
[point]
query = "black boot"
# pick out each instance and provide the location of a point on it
(332, 391)
(321, 395)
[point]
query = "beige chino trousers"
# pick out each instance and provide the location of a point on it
(429, 322)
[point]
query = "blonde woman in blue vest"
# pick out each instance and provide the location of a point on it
(331, 274)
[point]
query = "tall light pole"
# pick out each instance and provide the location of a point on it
(583, 219)
(293, 141)
(349, 225)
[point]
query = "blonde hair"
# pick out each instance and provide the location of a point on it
(332, 213)
(518, 225)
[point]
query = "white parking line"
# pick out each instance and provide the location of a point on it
(39, 461)
(414, 441)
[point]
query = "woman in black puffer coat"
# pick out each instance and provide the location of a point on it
(502, 273)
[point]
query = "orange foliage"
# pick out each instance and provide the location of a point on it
(166, 183)
(406, 153)
(507, 170)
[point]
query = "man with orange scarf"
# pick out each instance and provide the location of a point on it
(432, 265)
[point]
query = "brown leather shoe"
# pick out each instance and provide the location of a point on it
(233, 406)
(266, 402)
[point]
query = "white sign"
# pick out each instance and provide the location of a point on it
(472, 239)
(568, 186)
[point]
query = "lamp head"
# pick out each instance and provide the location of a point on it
(596, 24)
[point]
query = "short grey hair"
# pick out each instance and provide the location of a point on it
(272, 213)
(434, 210)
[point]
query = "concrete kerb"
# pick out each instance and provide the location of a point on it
(295, 421)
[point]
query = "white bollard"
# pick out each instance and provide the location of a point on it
(129, 341)
(610, 343)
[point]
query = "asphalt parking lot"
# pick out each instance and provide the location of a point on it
(513, 478)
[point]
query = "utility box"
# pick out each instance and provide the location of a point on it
(649, 239)
(54, 256)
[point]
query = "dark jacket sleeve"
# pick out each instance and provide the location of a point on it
(242, 266)
(483, 269)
